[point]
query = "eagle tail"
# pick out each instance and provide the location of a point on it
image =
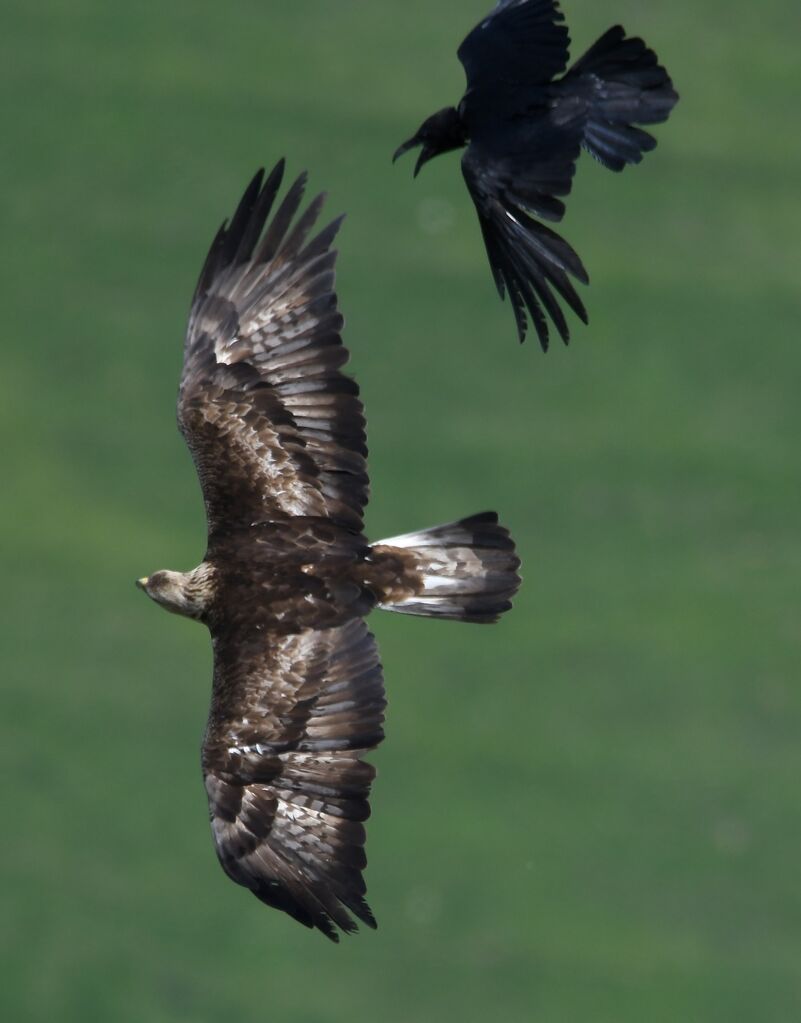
(465, 570)
(630, 87)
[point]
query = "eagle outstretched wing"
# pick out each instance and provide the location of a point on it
(275, 429)
(277, 433)
(291, 717)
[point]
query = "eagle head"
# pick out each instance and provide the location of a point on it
(182, 593)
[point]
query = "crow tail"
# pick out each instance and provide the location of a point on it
(629, 87)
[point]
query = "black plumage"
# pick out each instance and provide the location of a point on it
(524, 128)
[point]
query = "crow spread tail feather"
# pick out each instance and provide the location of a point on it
(628, 87)
(464, 570)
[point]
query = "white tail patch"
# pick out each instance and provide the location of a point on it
(467, 570)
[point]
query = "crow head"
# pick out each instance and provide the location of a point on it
(439, 133)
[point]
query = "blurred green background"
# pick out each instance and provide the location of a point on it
(590, 812)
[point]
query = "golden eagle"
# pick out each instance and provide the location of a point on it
(277, 434)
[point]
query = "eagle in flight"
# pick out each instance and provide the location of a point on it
(277, 434)
(524, 128)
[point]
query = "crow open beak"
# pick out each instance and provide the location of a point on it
(425, 155)
(406, 147)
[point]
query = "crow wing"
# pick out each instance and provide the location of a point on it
(528, 260)
(520, 44)
(274, 428)
(290, 720)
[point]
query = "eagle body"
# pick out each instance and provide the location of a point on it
(524, 118)
(303, 572)
(277, 434)
(286, 575)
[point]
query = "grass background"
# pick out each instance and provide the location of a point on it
(589, 812)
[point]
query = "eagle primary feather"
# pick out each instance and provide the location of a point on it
(277, 434)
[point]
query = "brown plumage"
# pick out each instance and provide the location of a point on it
(277, 434)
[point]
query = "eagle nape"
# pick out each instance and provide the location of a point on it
(523, 121)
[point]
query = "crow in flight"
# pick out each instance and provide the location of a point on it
(524, 128)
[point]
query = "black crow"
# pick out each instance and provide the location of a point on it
(524, 128)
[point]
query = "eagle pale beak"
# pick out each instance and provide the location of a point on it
(142, 583)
